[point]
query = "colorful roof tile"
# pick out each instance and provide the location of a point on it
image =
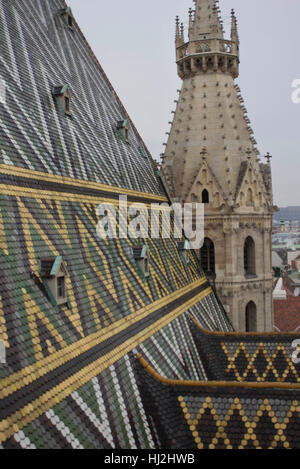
(71, 378)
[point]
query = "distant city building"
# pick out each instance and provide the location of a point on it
(292, 255)
(285, 226)
(279, 261)
(279, 292)
(287, 300)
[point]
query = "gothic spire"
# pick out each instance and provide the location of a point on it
(206, 49)
(207, 20)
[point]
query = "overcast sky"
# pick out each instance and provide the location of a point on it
(134, 42)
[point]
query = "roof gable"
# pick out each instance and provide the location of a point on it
(206, 179)
(251, 190)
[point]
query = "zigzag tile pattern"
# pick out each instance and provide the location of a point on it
(57, 350)
(104, 285)
(71, 377)
(109, 301)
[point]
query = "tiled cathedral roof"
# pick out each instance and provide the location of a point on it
(39, 53)
(70, 379)
(69, 368)
(222, 415)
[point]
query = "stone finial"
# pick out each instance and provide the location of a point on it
(234, 30)
(268, 158)
(203, 153)
(191, 23)
(177, 30)
(182, 31)
(249, 153)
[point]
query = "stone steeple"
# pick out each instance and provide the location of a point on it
(207, 20)
(211, 156)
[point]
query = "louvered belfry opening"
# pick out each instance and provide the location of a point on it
(251, 317)
(249, 257)
(208, 257)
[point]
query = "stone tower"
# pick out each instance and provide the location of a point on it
(211, 157)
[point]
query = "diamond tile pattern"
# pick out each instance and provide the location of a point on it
(242, 357)
(220, 416)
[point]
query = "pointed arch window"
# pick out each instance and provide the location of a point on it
(205, 196)
(251, 317)
(249, 257)
(207, 255)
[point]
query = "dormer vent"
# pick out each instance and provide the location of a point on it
(140, 254)
(123, 130)
(62, 96)
(53, 272)
(67, 17)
